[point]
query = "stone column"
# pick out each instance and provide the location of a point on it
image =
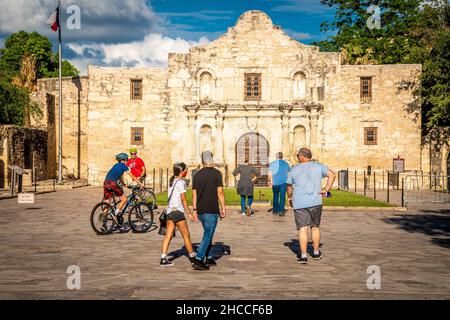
(314, 119)
(285, 137)
(219, 137)
(192, 142)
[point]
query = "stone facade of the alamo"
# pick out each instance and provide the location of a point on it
(251, 93)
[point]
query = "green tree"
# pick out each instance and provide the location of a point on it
(18, 75)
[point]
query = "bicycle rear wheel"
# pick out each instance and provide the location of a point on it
(140, 217)
(147, 196)
(101, 218)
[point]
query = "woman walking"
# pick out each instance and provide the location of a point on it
(248, 176)
(177, 207)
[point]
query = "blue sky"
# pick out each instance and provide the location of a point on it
(300, 18)
(142, 32)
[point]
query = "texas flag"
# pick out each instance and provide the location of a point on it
(53, 21)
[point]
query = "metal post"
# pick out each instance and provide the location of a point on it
(403, 192)
(388, 190)
(13, 181)
(364, 182)
(160, 180)
(167, 177)
(339, 179)
(421, 174)
(355, 181)
(54, 184)
(154, 176)
(60, 95)
(348, 180)
(374, 186)
(20, 179)
(34, 179)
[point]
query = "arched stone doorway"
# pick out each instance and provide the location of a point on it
(255, 147)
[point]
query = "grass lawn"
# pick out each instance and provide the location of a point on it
(340, 198)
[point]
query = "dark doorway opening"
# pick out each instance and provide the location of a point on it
(255, 147)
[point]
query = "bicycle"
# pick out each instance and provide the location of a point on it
(147, 195)
(140, 215)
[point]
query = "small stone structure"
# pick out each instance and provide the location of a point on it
(23, 147)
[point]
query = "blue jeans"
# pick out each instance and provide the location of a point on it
(279, 197)
(250, 201)
(209, 223)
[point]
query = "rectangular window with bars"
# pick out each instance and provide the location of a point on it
(371, 136)
(136, 89)
(137, 136)
(252, 86)
(366, 89)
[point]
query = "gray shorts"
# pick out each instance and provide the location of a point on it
(308, 217)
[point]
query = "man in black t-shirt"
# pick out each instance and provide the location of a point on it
(207, 192)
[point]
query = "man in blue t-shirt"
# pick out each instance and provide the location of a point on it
(305, 196)
(278, 176)
(111, 185)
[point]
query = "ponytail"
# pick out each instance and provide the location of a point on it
(177, 169)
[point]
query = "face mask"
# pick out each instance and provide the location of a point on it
(184, 174)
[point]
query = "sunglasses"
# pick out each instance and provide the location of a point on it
(133, 154)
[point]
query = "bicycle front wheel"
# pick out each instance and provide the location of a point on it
(147, 196)
(141, 217)
(101, 218)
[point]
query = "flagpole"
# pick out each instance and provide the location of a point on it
(60, 95)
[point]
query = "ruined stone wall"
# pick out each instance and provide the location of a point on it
(23, 147)
(112, 114)
(342, 142)
(75, 134)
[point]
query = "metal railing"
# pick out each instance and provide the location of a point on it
(426, 189)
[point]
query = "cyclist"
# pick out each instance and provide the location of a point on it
(114, 177)
(136, 165)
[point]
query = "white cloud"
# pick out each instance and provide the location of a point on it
(115, 20)
(306, 6)
(153, 51)
(299, 35)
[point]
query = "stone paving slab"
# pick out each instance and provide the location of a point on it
(38, 242)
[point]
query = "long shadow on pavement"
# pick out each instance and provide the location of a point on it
(218, 250)
(434, 223)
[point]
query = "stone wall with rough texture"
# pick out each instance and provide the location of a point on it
(345, 117)
(112, 114)
(23, 147)
(75, 126)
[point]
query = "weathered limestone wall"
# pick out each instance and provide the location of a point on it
(342, 142)
(75, 134)
(112, 114)
(254, 45)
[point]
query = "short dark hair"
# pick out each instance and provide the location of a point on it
(280, 155)
(305, 152)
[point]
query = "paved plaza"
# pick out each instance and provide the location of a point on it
(39, 242)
